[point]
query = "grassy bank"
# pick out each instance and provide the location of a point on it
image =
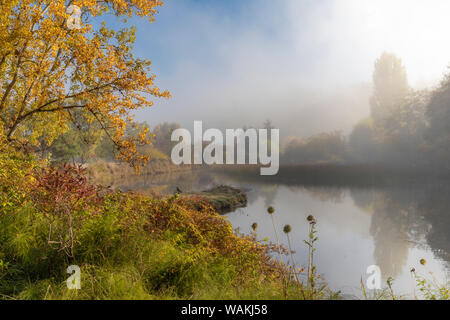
(223, 199)
(128, 246)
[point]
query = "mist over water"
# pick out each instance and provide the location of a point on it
(306, 65)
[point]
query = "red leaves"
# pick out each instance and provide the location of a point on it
(66, 198)
(69, 185)
(66, 186)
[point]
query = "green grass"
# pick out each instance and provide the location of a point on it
(128, 246)
(116, 264)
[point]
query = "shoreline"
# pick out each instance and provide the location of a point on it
(223, 198)
(339, 175)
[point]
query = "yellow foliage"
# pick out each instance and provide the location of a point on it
(48, 70)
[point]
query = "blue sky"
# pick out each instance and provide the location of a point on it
(305, 64)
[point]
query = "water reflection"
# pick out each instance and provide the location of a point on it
(188, 181)
(392, 226)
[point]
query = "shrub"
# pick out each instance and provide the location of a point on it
(66, 199)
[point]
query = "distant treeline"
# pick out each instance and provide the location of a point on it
(406, 128)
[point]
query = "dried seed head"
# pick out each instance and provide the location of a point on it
(423, 261)
(287, 228)
(311, 218)
(270, 210)
(254, 226)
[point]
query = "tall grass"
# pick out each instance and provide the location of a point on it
(128, 246)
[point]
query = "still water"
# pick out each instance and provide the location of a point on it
(392, 227)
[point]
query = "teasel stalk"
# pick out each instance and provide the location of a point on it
(287, 229)
(271, 211)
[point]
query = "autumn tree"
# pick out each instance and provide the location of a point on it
(54, 61)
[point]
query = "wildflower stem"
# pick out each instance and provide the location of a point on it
(292, 257)
(276, 238)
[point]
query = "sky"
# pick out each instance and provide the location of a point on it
(304, 64)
